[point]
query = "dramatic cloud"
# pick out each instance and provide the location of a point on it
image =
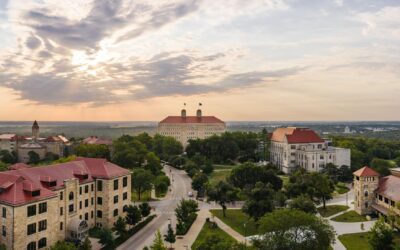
(385, 22)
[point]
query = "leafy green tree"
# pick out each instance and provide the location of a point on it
(345, 173)
(161, 183)
(323, 187)
(34, 157)
(50, 157)
(280, 198)
(129, 152)
(3, 247)
(63, 245)
(215, 242)
(185, 214)
(7, 157)
(166, 147)
(286, 229)
(146, 139)
(397, 161)
(93, 151)
(106, 239)
(260, 201)
(153, 163)
(191, 168)
(120, 227)
(199, 182)
(86, 244)
(145, 209)
(381, 236)
(381, 166)
(248, 174)
(303, 203)
(170, 237)
(332, 171)
(158, 243)
(207, 168)
(3, 166)
(222, 193)
(141, 181)
(133, 215)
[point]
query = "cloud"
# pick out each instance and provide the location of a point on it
(33, 42)
(385, 22)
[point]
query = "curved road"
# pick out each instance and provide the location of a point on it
(165, 210)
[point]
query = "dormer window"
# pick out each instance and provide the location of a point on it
(81, 174)
(35, 193)
(48, 181)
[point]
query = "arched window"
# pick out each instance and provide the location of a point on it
(366, 193)
(42, 243)
(31, 246)
(71, 196)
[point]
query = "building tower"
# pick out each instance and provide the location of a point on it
(365, 182)
(198, 113)
(35, 131)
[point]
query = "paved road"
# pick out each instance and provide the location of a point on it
(164, 209)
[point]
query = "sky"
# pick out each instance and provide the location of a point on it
(263, 60)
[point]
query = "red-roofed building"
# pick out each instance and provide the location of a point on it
(184, 128)
(42, 205)
(302, 147)
(374, 194)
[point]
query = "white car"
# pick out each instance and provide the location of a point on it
(190, 194)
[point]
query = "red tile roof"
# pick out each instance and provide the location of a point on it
(16, 185)
(389, 186)
(191, 119)
(365, 172)
(295, 135)
(17, 166)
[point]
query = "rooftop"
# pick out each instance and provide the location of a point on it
(389, 186)
(365, 172)
(295, 135)
(192, 119)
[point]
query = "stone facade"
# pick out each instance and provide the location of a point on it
(364, 193)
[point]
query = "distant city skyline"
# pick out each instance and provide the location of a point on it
(263, 60)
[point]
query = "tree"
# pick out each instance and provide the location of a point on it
(222, 193)
(7, 157)
(63, 245)
(3, 166)
(199, 182)
(120, 227)
(158, 243)
(248, 174)
(381, 166)
(331, 171)
(129, 152)
(287, 229)
(93, 151)
(3, 247)
(144, 209)
(50, 157)
(260, 201)
(207, 168)
(34, 157)
(141, 181)
(133, 215)
(86, 244)
(215, 242)
(161, 183)
(323, 187)
(185, 214)
(106, 239)
(170, 236)
(303, 203)
(153, 163)
(381, 236)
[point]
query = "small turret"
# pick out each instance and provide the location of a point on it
(35, 130)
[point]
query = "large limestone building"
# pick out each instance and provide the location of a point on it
(374, 194)
(42, 205)
(183, 127)
(302, 147)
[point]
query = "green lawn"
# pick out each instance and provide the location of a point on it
(209, 230)
(145, 196)
(358, 241)
(350, 216)
(341, 188)
(236, 219)
(285, 179)
(223, 167)
(331, 210)
(219, 175)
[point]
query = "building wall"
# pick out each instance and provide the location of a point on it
(183, 132)
(364, 194)
(9, 145)
(23, 153)
(58, 215)
(342, 157)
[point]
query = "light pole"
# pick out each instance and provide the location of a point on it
(245, 240)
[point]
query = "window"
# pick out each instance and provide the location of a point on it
(366, 204)
(31, 210)
(4, 231)
(125, 181)
(99, 185)
(80, 205)
(293, 147)
(61, 226)
(99, 214)
(31, 246)
(92, 201)
(42, 207)
(86, 216)
(61, 210)
(386, 200)
(42, 243)
(71, 208)
(35, 193)
(115, 212)
(31, 228)
(42, 225)
(366, 193)
(4, 214)
(80, 217)
(392, 203)
(115, 199)
(99, 200)
(91, 187)
(125, 196)
(91, 214)
(86, 189)
(80, 190)
(116, 184)
(71, 196)
(380, 197)
(61, 196)
(86, 202)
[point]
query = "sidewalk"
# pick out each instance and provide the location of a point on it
(194, 231)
